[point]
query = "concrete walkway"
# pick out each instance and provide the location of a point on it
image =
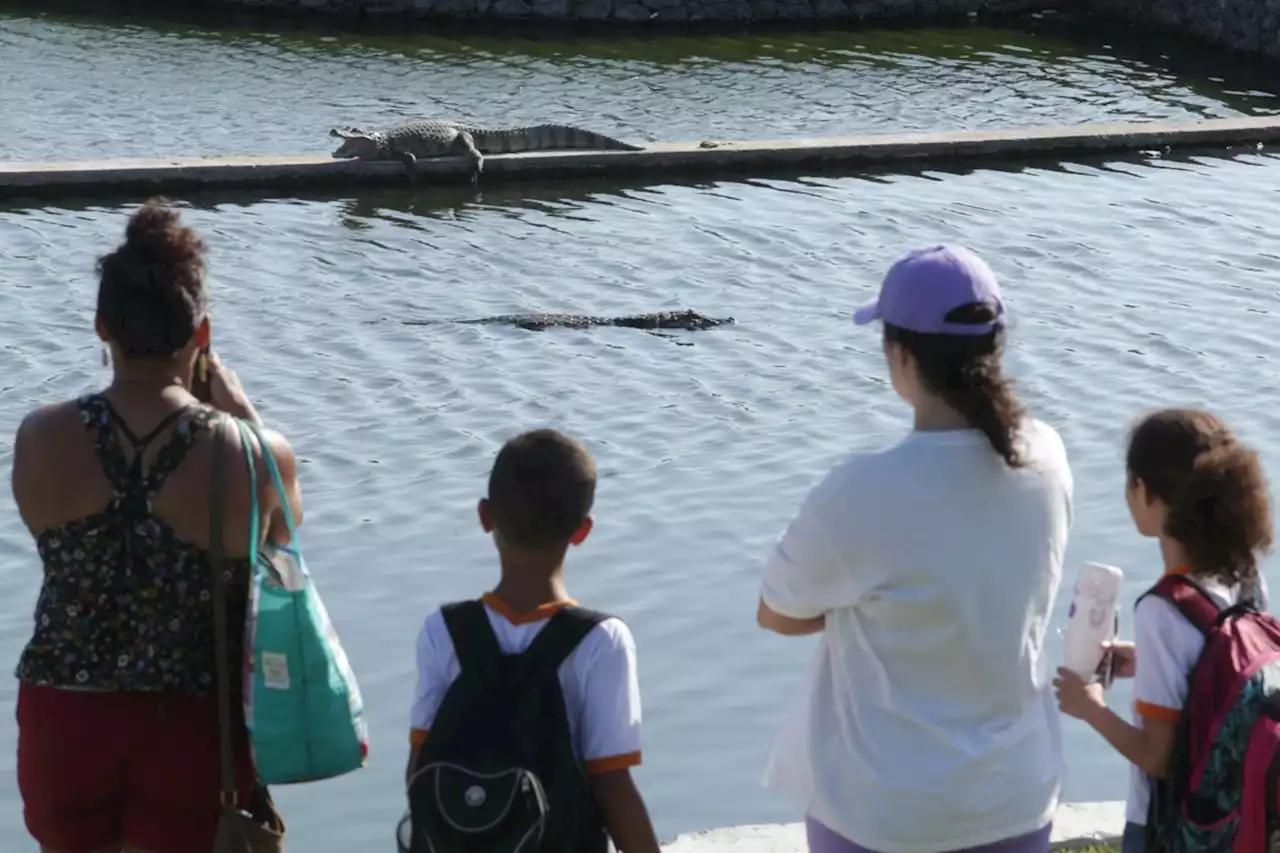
(1077, 825)
(663, 159)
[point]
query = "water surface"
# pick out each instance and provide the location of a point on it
(75, 86)
(1133, 285)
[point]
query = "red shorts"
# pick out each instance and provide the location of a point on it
(104, 769)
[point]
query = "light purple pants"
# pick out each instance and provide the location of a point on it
(823, 840)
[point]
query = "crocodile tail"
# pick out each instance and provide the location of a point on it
(563, 137)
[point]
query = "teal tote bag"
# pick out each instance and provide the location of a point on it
(302, 706)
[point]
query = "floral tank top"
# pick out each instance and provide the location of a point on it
(127, 602)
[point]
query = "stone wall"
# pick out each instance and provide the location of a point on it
(1252, 26)
(644, 11)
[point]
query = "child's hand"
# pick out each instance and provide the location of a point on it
(1122, 657)
(1075, 697)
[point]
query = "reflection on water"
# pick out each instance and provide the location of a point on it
(76, 86)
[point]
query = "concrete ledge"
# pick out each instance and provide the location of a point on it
(666, 159)
(1077, 826)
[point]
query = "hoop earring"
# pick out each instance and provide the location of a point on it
(106, 358)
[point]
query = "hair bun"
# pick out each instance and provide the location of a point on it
(150, 221)
(155, 232)
(151, 290)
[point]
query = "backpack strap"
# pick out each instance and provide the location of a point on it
(473, 640)
(1252, 593)
(562, 634)
(1189, 597)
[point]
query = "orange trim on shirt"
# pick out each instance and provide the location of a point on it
(417, 737)
(537, 614)
(1157, 712)
(613, 763)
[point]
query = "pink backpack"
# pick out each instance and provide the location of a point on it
(1221, 792)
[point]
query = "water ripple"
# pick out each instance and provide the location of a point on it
(1132, 285)
(73, 86)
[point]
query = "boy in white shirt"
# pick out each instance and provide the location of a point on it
(541, 491)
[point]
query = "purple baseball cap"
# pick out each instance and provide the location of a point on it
(926, 285)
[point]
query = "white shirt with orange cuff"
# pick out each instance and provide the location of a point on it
(599, 680)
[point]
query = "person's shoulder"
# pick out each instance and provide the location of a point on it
(1168, 644)
(61, 413)
(280, 448)
(609, 628)
(48, 424)
(1043, 449)
(605, 659)
(433, 631)
(617, 631)
(1151, 608)
(435, 627)
(1159, 620)
(1042, 440)
(609, 638)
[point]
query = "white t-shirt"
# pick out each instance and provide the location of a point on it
(599, 681)
(1167, 648)
(930, 723)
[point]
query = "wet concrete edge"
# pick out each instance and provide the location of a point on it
(1076, 826)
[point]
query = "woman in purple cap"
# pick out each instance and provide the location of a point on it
(930, 569)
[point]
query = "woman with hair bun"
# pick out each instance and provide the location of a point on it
(930, 569)
(117, 716)
(1202, 495)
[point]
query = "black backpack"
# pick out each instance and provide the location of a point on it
(498, 773)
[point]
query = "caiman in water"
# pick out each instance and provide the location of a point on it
(688, 320)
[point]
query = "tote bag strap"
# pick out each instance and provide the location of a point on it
(269, 458)
(255, 528)
(222, 656)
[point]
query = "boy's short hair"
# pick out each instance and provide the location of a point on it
(541, 489)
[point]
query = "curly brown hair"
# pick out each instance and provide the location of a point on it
(151, 292)
(1219, 507)
(965, 372)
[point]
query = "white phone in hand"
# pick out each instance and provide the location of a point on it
(1093, 620)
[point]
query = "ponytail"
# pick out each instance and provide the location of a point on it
(964, 372)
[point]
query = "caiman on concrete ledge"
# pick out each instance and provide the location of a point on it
(410, 140)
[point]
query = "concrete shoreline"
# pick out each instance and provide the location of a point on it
(1075, 827)
(169, 175)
